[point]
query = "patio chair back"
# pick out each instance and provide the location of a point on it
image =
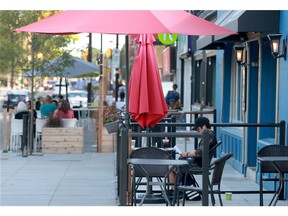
(16, 133)
(270, 151)
(217, 167)
(151, 153)
(268, 167)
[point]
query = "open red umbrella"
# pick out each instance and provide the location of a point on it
(147, 104)
(132, 22)
(125, 22)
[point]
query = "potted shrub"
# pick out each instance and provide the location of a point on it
(111, 118)
(53, 122)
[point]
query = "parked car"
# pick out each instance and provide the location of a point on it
(57, 87)
(49, 84)
(14, 96)
(78, 98)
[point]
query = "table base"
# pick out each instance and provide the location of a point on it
(151, 198)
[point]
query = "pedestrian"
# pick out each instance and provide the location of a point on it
(172, 96)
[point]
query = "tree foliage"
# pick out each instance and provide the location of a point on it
(18, 50)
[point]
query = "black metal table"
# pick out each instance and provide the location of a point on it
(275, 160)
(173, 166)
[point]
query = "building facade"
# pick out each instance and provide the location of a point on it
(251, 90)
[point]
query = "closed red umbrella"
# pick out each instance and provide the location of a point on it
(146, 99)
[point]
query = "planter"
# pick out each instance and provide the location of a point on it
(63, 140)
(112, 127)
(108, 141)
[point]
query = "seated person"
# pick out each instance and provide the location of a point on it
(47, 108)
(38, 103)
(64, 110)
(28, 104)
(21, 110)
(201, 124)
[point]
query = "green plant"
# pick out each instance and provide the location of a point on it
(54, 121)
(110, 114)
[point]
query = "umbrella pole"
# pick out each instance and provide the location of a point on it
(127, 80)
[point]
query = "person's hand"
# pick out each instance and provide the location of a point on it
(184, 154)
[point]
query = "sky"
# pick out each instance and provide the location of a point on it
(108, 41)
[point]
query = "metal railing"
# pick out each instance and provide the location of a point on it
(122, 150)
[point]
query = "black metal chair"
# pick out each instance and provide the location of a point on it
(268, 167)
(216, 168)
(197, 170)
(153, 171)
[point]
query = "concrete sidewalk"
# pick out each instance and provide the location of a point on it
(88, 179)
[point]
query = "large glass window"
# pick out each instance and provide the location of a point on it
(238, 93)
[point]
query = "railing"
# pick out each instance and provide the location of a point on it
(122, 152)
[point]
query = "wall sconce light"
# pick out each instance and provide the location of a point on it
(275, 45)
(239, 52)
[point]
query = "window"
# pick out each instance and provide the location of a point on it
(238, 93)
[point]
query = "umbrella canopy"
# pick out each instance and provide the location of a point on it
(147, 104)
(80, 68)
(125, 22)
(129, 22)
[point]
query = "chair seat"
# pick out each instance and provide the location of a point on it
(268, 167)
(217, 168)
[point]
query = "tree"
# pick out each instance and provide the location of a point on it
(19, 50)
(16, 49)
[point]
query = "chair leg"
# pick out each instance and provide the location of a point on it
(261, 189)
(219, 195)
(184, 199)
(212, 198)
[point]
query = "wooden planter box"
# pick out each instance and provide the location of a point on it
(63, 140)
(107, 141)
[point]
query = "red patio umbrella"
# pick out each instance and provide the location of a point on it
(125, 22)
(130, 22)
(147, 104)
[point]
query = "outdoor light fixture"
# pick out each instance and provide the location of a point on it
(275, 45)
(239, 48)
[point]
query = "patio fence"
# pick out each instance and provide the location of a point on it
(170, 125)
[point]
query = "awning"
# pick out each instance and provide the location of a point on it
(241, 21)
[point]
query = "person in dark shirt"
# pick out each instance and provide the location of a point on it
(28, 104)
(201, 124)
(38, 103)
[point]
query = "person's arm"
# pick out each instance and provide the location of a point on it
(188, 154)
(55, 114)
